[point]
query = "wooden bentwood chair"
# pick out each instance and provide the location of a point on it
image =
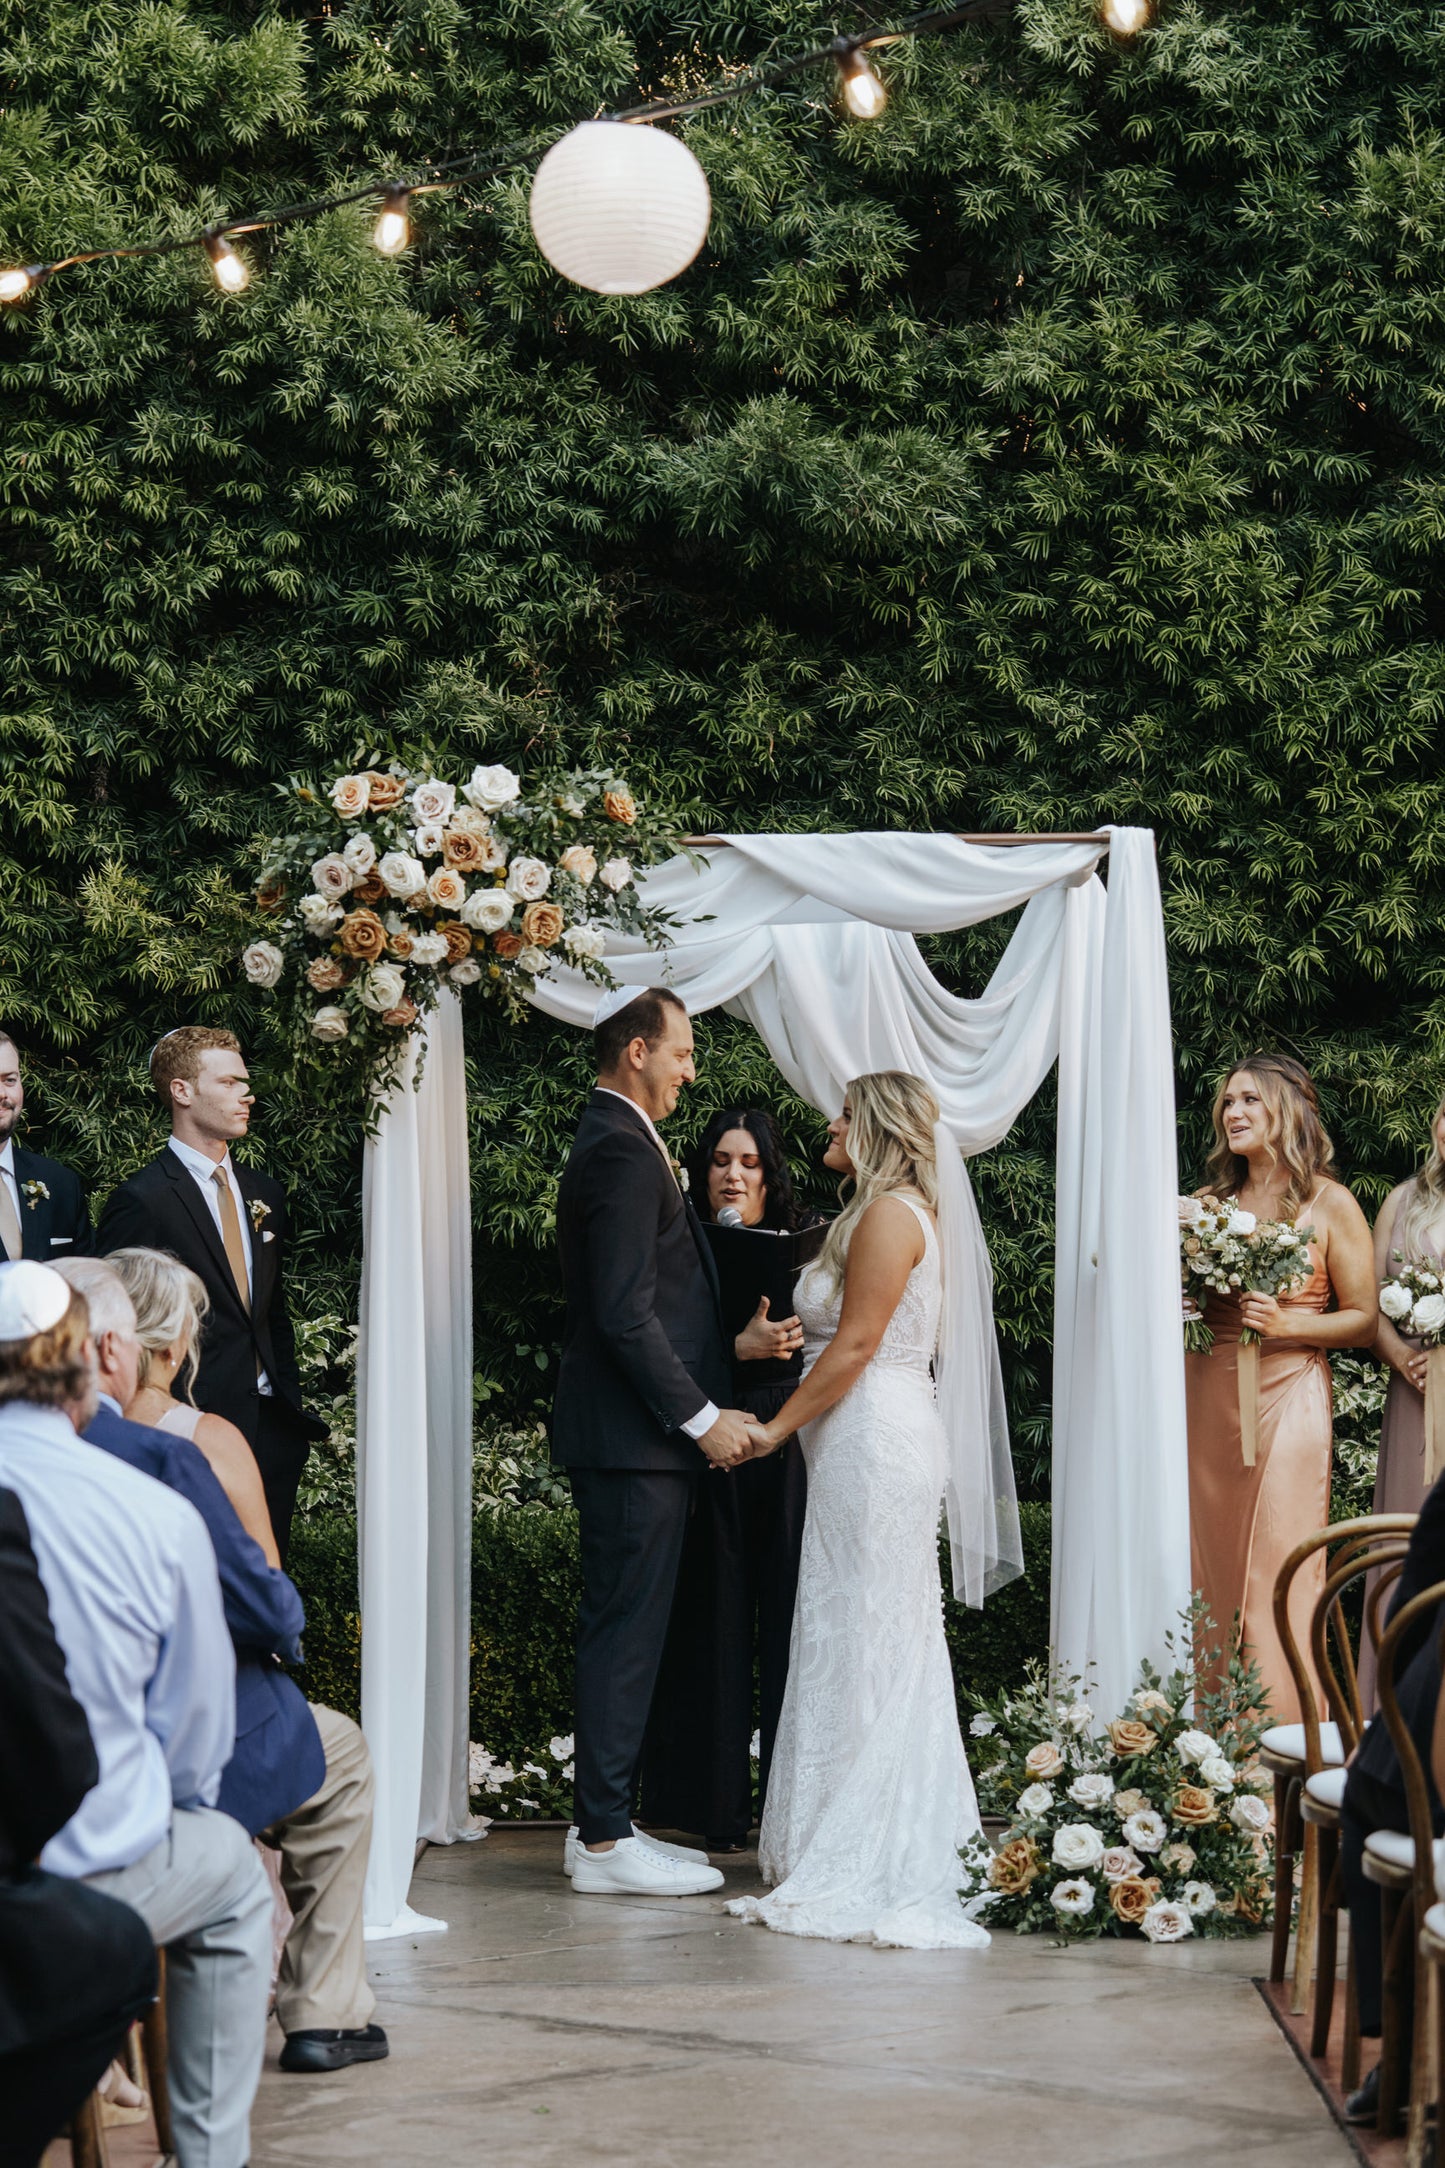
(87, 2131)
(1404, 1869)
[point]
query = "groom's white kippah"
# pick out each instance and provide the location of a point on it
(616, 997)
(32, 1299)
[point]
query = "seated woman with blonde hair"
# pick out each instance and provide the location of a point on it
(170, 1304)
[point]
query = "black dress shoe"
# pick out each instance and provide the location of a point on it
(725, 1844)
(334, 2050)
(1363, 2105)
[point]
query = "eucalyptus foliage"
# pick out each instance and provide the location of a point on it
(1065, 447)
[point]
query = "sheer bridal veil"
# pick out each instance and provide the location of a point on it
(983, 1514)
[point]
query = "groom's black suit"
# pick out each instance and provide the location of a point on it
(642, 1353)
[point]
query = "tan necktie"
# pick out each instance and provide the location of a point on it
(232, 1237)
(9, 1223)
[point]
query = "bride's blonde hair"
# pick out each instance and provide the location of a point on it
(1425, 1195)
(890, 1142)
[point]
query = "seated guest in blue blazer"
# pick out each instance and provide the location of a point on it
(43, 1212)
(300, 1778)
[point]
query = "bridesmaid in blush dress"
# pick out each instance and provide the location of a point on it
(1273, 1157)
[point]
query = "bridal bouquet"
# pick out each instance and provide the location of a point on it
(1224, 1248)
(1413, 1299)
(1150, 1824)
(394, 884)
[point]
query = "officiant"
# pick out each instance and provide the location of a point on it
(733, 1612)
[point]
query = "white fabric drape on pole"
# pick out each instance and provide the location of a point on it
(414, 1459)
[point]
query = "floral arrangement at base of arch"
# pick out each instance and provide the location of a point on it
(1156, 1823)
(395, 883)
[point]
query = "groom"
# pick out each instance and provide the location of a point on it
(635, 1421)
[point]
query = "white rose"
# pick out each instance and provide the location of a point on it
(1396, 1301)
(616, 874)
(1077, 1845)
(329, 1025)
(383, 986)
(1240, 1223)
(402, 874)
(1191, 1211)
(487, 910)
(1146, 1830)
(1199, 1899)
(490, 788)
(1194, 1746)
(1076, 1716)
(1120, 1862)
(981, 1725)
(1167, 1923)
(447, 889)
(428, 949)
(528, 878)
(318, 914)
(466, 973)
(263, 963)
(432, 802)
(428, 840)
(1216, 1772)
(535, 960)
(586, 941)
(350, 794)
(1073, 1898)
(1034, 1800)
(1429, 1315)
(1092, 1791)
(331, 875)
(1251, 1814)
(360, 855)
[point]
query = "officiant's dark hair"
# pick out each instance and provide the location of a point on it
(644, 1018)
(781, 1208)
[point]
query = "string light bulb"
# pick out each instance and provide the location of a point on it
(1126, 17)
(863, 93)
(393, 229)
(16, 284)
(229, 269)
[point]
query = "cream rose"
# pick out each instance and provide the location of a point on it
(1215, 1771)
(1240, 1223)
(432, 802)
(383, 986)
(1150, 1702)
(429, 949)
(1167, 1923)
(528, 878)
(580, 860)
(447, 889)
(351, 795)
(466, 973)
(982, 1725)
(401, 874)
(1177, 1858)
(1092, 1791)
(1396, 1301)
(535, 960)
(360, 855)
(1127, 1803)
(428, 840)
(329, 1025)
(467, 820)
(491, 788)
(1250, 1813)
(487, 910)
(318, 914)
(1043, 1760)
(1077, 1845)
(616, 874)
(1076, 1716)
(1034, 1800)
(587, 942)
(263, 963)
(1428, 1315)
(1120, 1863)
(331, 876)
(1194, 1746)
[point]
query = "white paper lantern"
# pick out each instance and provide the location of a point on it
(619, 207)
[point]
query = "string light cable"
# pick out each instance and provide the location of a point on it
(860, 91)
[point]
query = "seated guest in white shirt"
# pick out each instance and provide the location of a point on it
(42, 1204)
(135, 1601)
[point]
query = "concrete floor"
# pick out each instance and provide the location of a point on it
(545, 2030)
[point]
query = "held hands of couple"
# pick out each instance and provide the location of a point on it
(734, 1438)
(767, 1339)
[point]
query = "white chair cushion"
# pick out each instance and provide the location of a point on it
(1287, 1743)
(1394, 1849)
(1327, 1787)
(1435, 1922)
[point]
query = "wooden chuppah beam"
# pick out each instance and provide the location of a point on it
(1091, 835)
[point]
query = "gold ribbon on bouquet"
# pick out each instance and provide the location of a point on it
(1434, 1414)
(1247, 1372)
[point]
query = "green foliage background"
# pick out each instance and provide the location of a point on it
(1065, 448)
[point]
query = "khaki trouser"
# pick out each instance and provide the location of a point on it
(323, 1847)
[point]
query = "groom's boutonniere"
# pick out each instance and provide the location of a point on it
(32, 1192)
(259, 1211)
(679, 1173)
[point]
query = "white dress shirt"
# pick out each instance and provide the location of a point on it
(697, 1426)
(203, 1171)
(130, 1574)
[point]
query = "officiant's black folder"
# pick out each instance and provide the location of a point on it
(751, 1263)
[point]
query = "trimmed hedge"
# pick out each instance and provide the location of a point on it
(524, 1605)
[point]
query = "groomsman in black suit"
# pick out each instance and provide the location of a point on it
(228, 1223)
(635, 1422)
(42, 1205)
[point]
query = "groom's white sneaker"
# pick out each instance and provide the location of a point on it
(636, 1867)
(669, 1851)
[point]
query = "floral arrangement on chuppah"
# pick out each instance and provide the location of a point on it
(397, 883)
(1152, 1824)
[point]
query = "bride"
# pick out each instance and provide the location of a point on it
(870, 1795)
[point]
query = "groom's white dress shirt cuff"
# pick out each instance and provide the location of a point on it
(697, 1426)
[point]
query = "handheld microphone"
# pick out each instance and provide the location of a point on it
(730, 1216)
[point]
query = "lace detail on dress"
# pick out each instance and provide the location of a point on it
(870, 1795)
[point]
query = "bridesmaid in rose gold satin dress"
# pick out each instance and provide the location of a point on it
(1273, 1157)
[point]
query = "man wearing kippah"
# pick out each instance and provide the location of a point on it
(42, 1204)
(228, 1223)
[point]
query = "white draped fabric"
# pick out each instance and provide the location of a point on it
(811, 939)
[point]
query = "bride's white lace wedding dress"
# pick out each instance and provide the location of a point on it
(870, 1794)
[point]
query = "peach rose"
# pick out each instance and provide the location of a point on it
(542, 925)
(362, 935)
(458, 940)
(384, 791)
(580, 860)
(1178, 1858)
(351, 794)
(1130, 1899)
(447, 889)
(470, 820)
(1127, 1803)
(371, 889)
(271, 894)
(464, 850)
(403, 1016)
(620, 805)
(507, 944)
(1193, 1806)
(326, 974)
(1129, 1739)
(1014, 1866)
(1250, 1902)
(1043, 1760)
(401, 944)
